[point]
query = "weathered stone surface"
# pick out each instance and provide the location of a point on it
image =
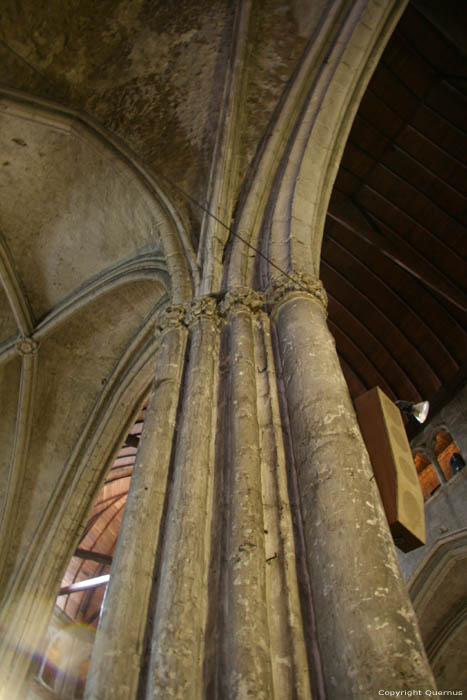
(177, 659)
(247, 662)
(205, 598)
(127, 67)
(365, 623)
(117, 658)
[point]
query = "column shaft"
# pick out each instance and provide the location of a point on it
(116, 660)
(367, 630)
(290, 672)
(247, 660)
(179, 635)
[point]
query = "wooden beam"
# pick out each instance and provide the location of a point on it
(93, 556)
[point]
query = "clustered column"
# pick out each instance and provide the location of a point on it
(204, 599)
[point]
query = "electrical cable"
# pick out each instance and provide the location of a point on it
(230, 230)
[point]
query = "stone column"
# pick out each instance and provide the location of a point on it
(430, 453)
(263, 653)
(290, 669)
(246, 662)
(366, 626)
(177, 666)
(117, 655)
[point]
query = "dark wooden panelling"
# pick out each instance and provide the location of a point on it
(395, 241)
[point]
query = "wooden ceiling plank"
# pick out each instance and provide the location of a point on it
(360, 304)
(362, 172)
(125, 461)
(439, 130)
(413, 195)
(367, 370)
(404, 254)
(449, 103)
(387, 86)
(380, 354)
(399, 256)
(364, 184)
(117, 512)
(425, 149)
(355, 384)
(355, 372)
(405, 343)
(421, 31)
(418, 171)
(389, 121)
(435, 328)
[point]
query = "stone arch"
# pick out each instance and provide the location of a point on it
(284, 206)
(91, 251)
(430, 476)
(438, 595)
(123, 164)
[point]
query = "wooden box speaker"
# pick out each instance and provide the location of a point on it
(395, 473)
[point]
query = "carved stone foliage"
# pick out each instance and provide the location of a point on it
(284, 287)
(171, 317)
(204, 306)
(242, 297)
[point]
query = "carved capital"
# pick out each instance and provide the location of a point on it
(27, 346)
(203, 307)
(243, 297)
(171, 317)
(286, 287)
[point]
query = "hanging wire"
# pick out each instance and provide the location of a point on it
(230, 229)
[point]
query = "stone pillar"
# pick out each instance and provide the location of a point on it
(177, 666)
(430, 453)
(203, 600)
(263, 653)
(246, 661)
(366, 626)
(117, 655)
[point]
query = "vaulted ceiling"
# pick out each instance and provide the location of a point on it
(393, 259)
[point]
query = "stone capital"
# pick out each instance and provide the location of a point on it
(171, 317)
(243, 298)
(285, 287)
(203, 307)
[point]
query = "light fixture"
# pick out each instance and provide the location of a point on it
(417, 410)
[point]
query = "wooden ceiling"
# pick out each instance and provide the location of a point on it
(393, 258)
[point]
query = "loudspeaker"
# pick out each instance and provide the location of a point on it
(393, 466)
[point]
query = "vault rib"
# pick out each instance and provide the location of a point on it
(20, 451)
(12, 285)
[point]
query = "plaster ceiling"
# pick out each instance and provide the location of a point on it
(83, 275)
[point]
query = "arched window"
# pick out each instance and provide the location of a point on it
(446, 450)
(426, 475)
(65, 666)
